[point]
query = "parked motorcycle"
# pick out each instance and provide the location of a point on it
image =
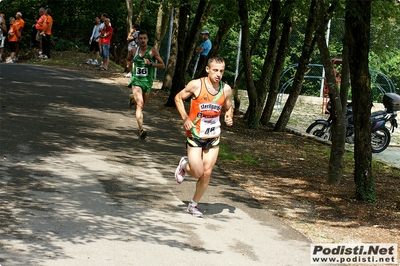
(380, 134)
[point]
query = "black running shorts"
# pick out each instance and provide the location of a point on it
(205, 144)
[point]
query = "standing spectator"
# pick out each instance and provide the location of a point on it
(39, 27)
(94, 42)
(143, 74)
(203, 49)
(105, 42)
(132, 39)
(3, 29)
(103, 17)
(13, 37)
(20, 25)
(203, 126)
(46, 34)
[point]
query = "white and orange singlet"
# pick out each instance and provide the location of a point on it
(205, 111)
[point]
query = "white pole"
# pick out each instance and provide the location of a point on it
(238, 53)
(321, 94)
(171, 25)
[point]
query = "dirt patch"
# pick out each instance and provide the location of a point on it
(287, 174)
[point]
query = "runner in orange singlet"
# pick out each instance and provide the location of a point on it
(203, 127)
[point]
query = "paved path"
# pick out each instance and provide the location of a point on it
(77, 187)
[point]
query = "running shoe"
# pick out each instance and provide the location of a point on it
(129, 75)
(95, 63)
(194, 210)
(143, 134)
(131, 102)
(180, 170)
(89, 61)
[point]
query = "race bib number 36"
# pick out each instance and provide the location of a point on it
(142, 71)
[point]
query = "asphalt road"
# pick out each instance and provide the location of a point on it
(77, 186)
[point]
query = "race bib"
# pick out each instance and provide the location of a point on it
(210, 127)
(142, 71)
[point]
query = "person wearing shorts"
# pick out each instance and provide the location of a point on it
(105, 42)
(13, 37)
(203, 127)
(145, 59)
(94, 43)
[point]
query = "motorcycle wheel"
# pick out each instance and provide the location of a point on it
(380, 140)
(320, 130)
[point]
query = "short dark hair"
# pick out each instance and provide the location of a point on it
(143, 32)
(136, 26)
(217, 59)
(48, 11)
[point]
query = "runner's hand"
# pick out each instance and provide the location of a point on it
(228, 120)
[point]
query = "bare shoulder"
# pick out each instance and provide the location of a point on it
(227, 88)
(193, 86)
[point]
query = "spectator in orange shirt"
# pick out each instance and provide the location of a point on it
(13, 37)
(46, 34)
(39, 27)
(20, 25)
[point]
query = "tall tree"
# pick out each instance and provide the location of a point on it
(255, 43)
(358, 19)
(245, 49)
(279, 62)
(338, 112)
(186, 44)
(129, 16)
(163, 17)
(170, 68)
(307, 50)
(258, 94)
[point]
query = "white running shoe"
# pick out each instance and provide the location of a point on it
(129, 75)
(89, 61)
(194, 210)
(180, 170)
(95, 63)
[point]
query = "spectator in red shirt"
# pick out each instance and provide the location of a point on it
(105, 41)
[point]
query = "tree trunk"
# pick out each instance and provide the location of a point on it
(241, 72)
(163, 17)
(251, 90)
(335, 171)
(279, 63)
(269, 61)
(170, 68)
(142, 6)
(186, 44)
(129, 17)
(178, 79)
(158, 37)
(307, 50)
(358, 16)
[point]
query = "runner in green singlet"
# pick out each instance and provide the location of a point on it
(145, 59)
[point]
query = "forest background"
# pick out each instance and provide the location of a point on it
(276, 35)
(74, 20)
